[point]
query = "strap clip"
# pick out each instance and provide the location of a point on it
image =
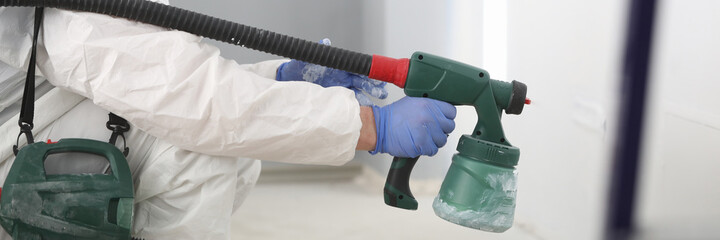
(25, 128)
(118, 126)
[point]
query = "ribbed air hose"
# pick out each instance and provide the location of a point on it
(211, 27)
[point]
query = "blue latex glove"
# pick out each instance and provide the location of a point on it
(412, 126)
(363, 86)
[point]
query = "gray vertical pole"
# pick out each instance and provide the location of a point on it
(626, 162)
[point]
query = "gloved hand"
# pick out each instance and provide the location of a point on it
(363, 86)
(412, 126)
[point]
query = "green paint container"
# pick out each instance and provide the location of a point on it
(480, 187)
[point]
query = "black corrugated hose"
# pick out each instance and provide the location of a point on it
(211, 27)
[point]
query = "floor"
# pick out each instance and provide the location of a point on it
(346, 206)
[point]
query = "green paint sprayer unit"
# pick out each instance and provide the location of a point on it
(479, 189)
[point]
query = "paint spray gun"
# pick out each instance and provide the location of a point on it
(480, 187)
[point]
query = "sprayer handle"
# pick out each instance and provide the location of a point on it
(397, 186)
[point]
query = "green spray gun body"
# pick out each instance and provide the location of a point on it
(479, 188)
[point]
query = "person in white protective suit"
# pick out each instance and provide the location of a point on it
(198, 120)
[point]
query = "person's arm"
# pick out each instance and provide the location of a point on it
(368, 133)
(179, 89)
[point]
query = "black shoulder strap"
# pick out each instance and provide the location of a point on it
(28, 102)
(117, 124)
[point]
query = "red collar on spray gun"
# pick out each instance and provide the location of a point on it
(390, 70)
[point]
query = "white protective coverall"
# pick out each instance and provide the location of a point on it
(197, 119)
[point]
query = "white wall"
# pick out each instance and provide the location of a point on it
(680, 189)
(568, 53)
